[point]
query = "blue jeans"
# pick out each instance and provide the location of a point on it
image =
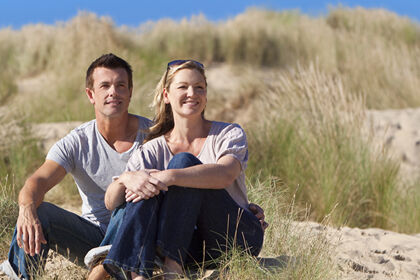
(178, 223)
(69, 234)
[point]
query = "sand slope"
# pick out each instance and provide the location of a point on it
(372, 253)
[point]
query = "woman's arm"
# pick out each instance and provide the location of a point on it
(138, 182)
(204, 176)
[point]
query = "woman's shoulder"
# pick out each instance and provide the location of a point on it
(148, 153)
(225, 128)
(219, 126)
(154, 144)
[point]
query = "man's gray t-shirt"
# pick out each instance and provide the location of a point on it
(92, 162)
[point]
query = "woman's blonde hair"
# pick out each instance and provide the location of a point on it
(164, 120)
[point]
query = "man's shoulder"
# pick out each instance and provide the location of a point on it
(83, 131)
(84, 127)
(144, 122)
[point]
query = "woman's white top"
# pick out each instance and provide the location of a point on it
(223, 139)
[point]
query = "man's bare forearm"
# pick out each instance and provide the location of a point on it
(32, 193)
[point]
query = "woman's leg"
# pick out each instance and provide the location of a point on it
(133, 248)
(189, 217)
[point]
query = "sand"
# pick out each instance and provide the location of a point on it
(372, 253)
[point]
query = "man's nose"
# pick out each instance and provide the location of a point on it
(112, 90)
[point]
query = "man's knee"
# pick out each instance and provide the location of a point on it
(46, 212)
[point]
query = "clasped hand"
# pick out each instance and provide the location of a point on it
(142, 185)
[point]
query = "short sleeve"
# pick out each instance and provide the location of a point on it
(141, 159)
(62, 152)
(232, 141)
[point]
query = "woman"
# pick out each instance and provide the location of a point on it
(204, 211)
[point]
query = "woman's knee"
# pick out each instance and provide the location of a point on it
(183, 160)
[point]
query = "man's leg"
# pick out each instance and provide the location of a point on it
(69, 234)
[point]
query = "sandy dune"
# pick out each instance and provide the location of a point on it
(372, 253)
(399, 132)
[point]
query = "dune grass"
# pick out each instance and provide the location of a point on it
(372, 51)
(312, 140)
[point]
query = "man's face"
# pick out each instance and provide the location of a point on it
(110, 94)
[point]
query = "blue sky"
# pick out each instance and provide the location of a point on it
(16, 13)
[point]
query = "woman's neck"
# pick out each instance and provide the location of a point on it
(189, 129)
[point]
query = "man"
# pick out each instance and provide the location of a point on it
(93, 153)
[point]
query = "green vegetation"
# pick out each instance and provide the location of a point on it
(301, 89)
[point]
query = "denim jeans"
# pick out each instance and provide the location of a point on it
(69, 234)
(178, 224)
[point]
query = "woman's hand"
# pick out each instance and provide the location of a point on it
(259, 213)
(132, 185)
(141, 185)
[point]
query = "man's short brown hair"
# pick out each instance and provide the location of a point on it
(110, 61)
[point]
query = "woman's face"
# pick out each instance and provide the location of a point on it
(187, 93)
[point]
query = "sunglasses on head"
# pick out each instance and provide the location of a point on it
(182, 61)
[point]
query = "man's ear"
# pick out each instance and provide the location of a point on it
(90, 94)
(165, 96)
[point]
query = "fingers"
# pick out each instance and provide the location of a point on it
(161, 186)
(131, 196)
(137, 199)
(30, 238)
(257, 211)
(30, 241)
(25, 237)
(264, 225)
(260, 216)
(39, 238)
(147, 191)
(253, 208)
(19, 237)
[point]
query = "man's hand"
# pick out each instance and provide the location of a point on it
(259, 213)
(29, 230)
(141, 185)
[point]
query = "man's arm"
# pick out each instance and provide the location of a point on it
(29, 231)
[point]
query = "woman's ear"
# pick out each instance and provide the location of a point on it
(165, 96)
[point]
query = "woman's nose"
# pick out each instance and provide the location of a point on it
(190, 91)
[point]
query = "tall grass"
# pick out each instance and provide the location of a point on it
(19, 155)
(312, 141)
(373, 51)
(9, 210)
